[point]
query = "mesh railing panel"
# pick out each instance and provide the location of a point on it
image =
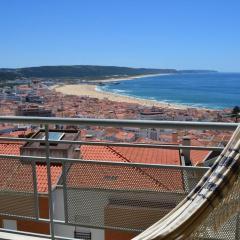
(224, 221)
(125, 197)
(16, 189)
(211, 210)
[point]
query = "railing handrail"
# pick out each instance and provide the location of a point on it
(120, 123)
(101, 122)
(96, 162)
(94, 143)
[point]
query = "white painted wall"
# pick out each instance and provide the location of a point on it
(10, 224)
(66, 230)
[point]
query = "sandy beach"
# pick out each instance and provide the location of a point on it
(92, 91)
(116, 79)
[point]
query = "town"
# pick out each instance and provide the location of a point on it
(38, 98)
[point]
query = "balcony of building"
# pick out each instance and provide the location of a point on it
(56, 185)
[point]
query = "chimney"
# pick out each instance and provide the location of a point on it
(186, 152)
(174, 137)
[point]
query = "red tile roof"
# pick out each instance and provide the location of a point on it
(42, 182)
(101, 153)
(197, 156)
(130, 154)
(15, 176)
(148, 155)
(18, 176)
(124, 177)
(8, 148)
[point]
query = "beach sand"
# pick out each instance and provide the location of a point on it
(91, 91)
(116, 79)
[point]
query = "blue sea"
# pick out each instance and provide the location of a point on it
(207, 90)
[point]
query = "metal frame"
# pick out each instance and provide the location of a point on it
(165, 146)
(74, 160)
(121, 123)
(64, 171)
(35, 189)
(99, 122)
(50, 196)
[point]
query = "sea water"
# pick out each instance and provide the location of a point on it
(207, 90)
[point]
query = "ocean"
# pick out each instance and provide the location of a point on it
(206, 90)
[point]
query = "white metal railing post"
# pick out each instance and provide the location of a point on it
(186, 152)
(34, 173)
(188, 175)
(50, 197)
(64, 183)
(237, 232)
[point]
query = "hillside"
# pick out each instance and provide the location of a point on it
(78, 72)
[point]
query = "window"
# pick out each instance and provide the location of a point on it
(55, 136)
(82, 235)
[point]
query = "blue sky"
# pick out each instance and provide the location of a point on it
(182, 34)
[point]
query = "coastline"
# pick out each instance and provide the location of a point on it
(90, 90)
(127, 78)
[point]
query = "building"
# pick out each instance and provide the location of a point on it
(93, 190)
(57, 150)
(33, 110)
(153, 133)
(16, 176)
(152, 114)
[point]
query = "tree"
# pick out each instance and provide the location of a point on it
(236, 113)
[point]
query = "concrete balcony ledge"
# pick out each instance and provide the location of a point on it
(15, 235)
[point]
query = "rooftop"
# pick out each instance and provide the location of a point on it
(12, 171)
(55, 135)
(117, 186)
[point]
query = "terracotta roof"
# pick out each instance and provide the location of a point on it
(42, 182)
(149, 155)
(197, 156)
(125, 177)
(10, 148)
(124, 135)
(17, 176)
(20, 132)
(101, 153)
(131, 154)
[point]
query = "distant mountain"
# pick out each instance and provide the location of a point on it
(5, 75)
(77, 72)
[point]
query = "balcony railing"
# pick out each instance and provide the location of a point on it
(95, 194)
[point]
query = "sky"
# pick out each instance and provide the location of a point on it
(180, 34)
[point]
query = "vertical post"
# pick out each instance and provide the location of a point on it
(184, 173)
(35, 189)
(50, 197)
(237, 233)
(174, 137)
(64, 171)
(186, 152)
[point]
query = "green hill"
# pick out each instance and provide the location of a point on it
(77, 72)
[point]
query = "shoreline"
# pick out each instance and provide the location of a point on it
(127, 78)
(90, 90)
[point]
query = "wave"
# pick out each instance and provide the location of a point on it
(195, 90)
(120, 91)
(128, 93)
